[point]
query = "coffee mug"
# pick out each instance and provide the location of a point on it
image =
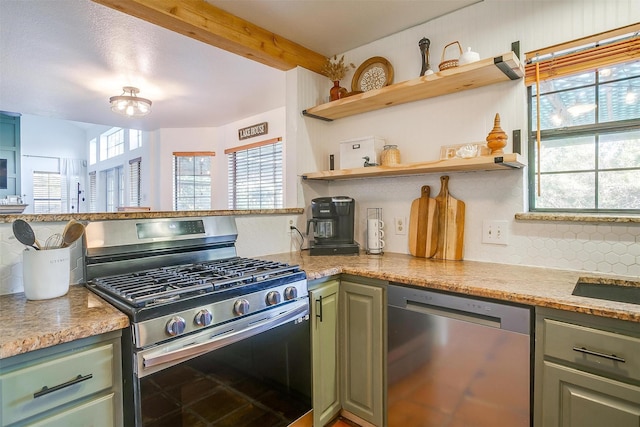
(375, 245)
(374, 233)
(375, 223)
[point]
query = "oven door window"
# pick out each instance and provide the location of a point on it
(261, 381)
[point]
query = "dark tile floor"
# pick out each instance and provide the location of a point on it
(208, 393)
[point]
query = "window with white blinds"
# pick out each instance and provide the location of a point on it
(47, 192)
(192, 181)
(93, 192)
(134, 181)
(256, 175)
(584, 122)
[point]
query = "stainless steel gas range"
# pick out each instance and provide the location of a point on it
(189, 296)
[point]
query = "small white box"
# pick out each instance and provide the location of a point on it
(353, 151)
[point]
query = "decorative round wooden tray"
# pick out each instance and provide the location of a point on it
(374, 73)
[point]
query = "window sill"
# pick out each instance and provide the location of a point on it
(577, 217)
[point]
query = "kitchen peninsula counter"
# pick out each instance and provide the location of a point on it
(535, 286)
(31, 325)
(104, 216)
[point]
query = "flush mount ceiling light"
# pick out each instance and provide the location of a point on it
(129, 104)
(579, 109)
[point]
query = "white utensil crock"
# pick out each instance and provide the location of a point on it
(46, 273)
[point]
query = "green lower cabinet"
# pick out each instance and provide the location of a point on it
(575, 398)
(324, 350)
(362, 350)
(72, 384)
(348, 349)
(587, 371)
(95, 413)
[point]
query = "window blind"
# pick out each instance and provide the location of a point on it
(134, 181)
(256, 175)
(583, 55)
(47, 192)
(93, 192)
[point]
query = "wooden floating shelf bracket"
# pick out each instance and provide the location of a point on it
(314, 116)
(505, 68)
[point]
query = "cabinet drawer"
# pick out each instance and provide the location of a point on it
(593, 348)
(95, 413)
(66, 379)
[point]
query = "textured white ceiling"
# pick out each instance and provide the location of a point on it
(65, 58)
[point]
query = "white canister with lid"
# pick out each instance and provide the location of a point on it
(468, 57)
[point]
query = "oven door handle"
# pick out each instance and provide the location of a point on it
(225, 339)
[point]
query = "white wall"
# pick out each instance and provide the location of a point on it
(421, 128)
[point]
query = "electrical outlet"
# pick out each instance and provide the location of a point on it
(400, 224)
(495, 232)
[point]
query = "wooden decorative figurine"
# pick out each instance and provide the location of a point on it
(497, 138)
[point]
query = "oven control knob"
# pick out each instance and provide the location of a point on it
(273, 298)
(203, 318)
(176, 326)
(290, 293)
(241, 307)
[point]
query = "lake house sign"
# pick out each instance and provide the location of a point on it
(255, 130)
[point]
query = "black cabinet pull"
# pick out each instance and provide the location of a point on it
(597, 353)
(319, 311)
(47, 390)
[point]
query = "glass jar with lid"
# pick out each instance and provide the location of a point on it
(390, 155)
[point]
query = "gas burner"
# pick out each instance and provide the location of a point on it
(166, 284)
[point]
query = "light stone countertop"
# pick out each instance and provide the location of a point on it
(536, 286)
(104, 216)
(31, 325)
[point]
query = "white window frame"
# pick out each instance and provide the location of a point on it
(192, 188)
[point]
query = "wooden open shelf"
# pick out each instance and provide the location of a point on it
(476, 74)
(482, 163)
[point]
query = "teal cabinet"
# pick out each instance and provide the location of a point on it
(77, 383)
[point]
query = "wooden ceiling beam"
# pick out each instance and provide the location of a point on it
(204, 22)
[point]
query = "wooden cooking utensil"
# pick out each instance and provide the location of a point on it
(72, 233)
(422, 225)
(451, 224)
(24, 233)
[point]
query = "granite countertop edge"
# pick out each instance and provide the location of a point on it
(32, 325)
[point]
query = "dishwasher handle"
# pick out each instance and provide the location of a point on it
(464, 316)
(496, 314)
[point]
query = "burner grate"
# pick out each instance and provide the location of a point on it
(171, 283)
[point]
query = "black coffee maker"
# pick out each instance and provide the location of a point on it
(333, 221)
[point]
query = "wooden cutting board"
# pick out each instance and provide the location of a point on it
(450, 223)
(423, 237)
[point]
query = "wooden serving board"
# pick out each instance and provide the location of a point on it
(450, 222)
(423, 237)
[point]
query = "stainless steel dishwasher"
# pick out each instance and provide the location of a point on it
(457, 361)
